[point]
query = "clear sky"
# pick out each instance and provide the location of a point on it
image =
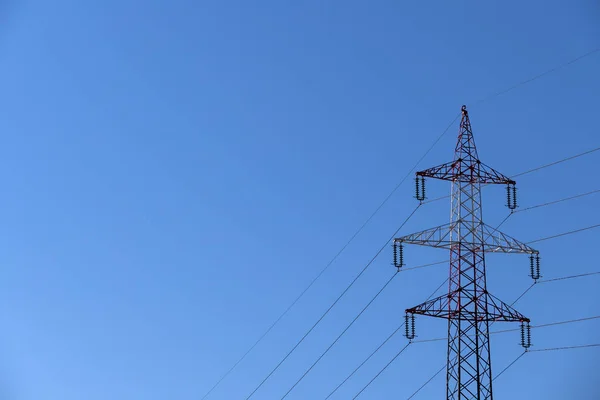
(175, 173)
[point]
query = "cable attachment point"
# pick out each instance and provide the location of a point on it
(409, 326)
(511, 196)
(398, 255)
(534, 264)
(420, 188)
(525, 334)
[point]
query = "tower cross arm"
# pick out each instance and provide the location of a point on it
(499, 242)
(473, 171)
(434, 237)
(446, 306)
(486, 239)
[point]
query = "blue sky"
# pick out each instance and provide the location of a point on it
(175, 173)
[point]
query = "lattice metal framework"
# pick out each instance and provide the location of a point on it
(468, 306)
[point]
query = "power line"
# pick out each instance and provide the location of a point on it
(540, 350)
(523, 294)
(464, 114)
(549, 203)
(532, 241)
(571, 321)
(363, 363)
(373, 299)
(436, 199)
(548, 349)
(424, 265)
(567, 322)
(333, 304)
(522, 210)
(566, 348)
(565, 233)
(509, 365)
(340, 335)
(533, 326)
(538, 76)
(557, 201)
(444, 366)
(512, 304)
(286, 311)
(383, 369)
(440, 262)
(505, 219)
(518, 298)
(427, 383)
(530, 171)
(356, 233)
(377, 349)
(556, 162)
(569, 277)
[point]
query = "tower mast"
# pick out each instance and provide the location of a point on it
(468, 306)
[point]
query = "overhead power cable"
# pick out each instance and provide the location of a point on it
(386, 199)
(444, 261)
(383, 369)
(585, 346)
(333, 304)
(531, 170)
(538, 76)
(354, 235)
(344, 292)
(430, 264)
(571, 321)
(377, 349)
(532, 241)
(444, 366)
(556, 201)
(363, 363)
(424, 265)
(512, 304)
(509, 365)
(343, 248)
(565, 233)
(524, 293)
(340, 335)
(549, 203)
(427, 382)
(557, 162)
(566, 322)
(501, 372)
(569, 277)
(566, 348)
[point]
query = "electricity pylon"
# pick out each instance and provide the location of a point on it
(468, 305)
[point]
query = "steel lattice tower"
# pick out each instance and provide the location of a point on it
(468, 305)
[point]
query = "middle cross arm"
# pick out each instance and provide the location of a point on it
(493, 240)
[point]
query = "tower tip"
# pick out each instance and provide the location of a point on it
(464, 110)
